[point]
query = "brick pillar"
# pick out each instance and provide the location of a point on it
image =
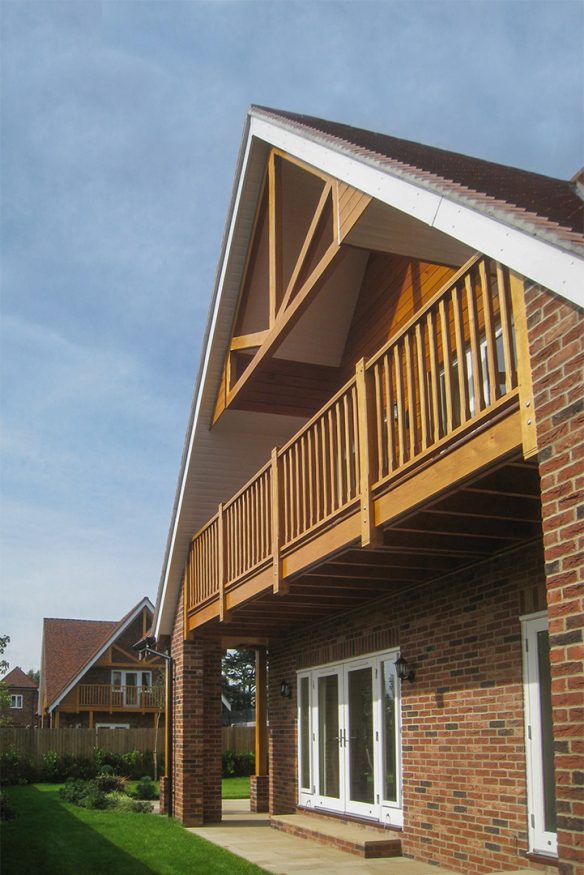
(556, 335)
(196, 728)
(164, 794)
(259, 793)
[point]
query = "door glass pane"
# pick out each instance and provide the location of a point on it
(328, 736)
(305, 733)
(547, 741)
(389, 705)
(360, 730)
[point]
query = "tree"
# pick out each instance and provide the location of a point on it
(238, 681)
(34, 675)
(4, 694)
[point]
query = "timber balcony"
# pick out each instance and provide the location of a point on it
(106, 697)
(439, 409)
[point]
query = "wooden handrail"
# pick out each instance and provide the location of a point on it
(451, 366)
(111, 695)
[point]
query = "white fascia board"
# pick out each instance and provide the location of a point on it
(163, 622)
(558, 270)
(145, 603)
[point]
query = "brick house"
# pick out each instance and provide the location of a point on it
(381, 489)
(91, 677)
(24, 695)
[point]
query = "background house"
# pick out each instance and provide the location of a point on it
(381, 491)
(24, 694)
(90, 675)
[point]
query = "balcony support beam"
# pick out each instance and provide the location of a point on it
(524, 380)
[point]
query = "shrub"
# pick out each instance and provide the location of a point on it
(109, 783)
(125, 803)
(73, 791)
(236, 765)
(86, 794)
(145, 789)
(16, 768)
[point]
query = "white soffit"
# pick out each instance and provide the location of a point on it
(540, 261)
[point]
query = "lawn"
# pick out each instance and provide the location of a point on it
(235, 788)
(51, 837)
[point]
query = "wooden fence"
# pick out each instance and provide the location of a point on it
(34, 743)
(239, 739)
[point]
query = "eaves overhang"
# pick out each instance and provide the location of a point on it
(532, 251)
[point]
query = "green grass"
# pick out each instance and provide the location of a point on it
(51, 837)
(235, 788)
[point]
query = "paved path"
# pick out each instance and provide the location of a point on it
(251, 837)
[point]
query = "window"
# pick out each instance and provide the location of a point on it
(129, 686)
(16, 700)
(349, 738)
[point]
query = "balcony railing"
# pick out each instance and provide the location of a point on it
(449, 370)
(108, 697)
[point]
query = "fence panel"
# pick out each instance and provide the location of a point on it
(239, 739)
(35, 743)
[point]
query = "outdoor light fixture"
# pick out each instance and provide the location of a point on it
(285, 690)
(403, 671)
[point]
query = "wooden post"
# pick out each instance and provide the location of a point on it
(370, 536)
(57, 718)
(222, 563)
(524, 382)
(90, 720)
(279, 586)
(261, 713)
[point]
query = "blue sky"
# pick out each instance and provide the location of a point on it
(121, 123)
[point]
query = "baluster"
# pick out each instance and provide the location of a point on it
(422, 386)
(447, 363)
(506, 329)
(460, 355)
(411, 417)
(389, 417)
(434, 377)
(474, 346)
(400, 405)
(490, 339)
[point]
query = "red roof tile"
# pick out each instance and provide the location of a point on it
(545, 203)
(18, 679)
(68, 645)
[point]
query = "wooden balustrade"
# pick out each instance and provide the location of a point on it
(453, 365)
(247, 526)
(108, 696)
(320, 466)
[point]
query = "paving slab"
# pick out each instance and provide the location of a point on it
(250, 836)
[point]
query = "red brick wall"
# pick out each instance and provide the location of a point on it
(196, 727)
(462, 718)
(27, 715)
(556, 334)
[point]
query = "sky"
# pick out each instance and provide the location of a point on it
(120, 128)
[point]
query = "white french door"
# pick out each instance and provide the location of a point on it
(348, 738)
(539, 736)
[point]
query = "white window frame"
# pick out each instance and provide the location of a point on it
(540, 840)
(112, 725)
(122, 686)
(16, 701)
(385, 811)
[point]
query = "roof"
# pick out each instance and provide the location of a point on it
(531, 198)
(17, 678)
(531, 223)
(71, 647)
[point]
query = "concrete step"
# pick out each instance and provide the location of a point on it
(358, 839)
